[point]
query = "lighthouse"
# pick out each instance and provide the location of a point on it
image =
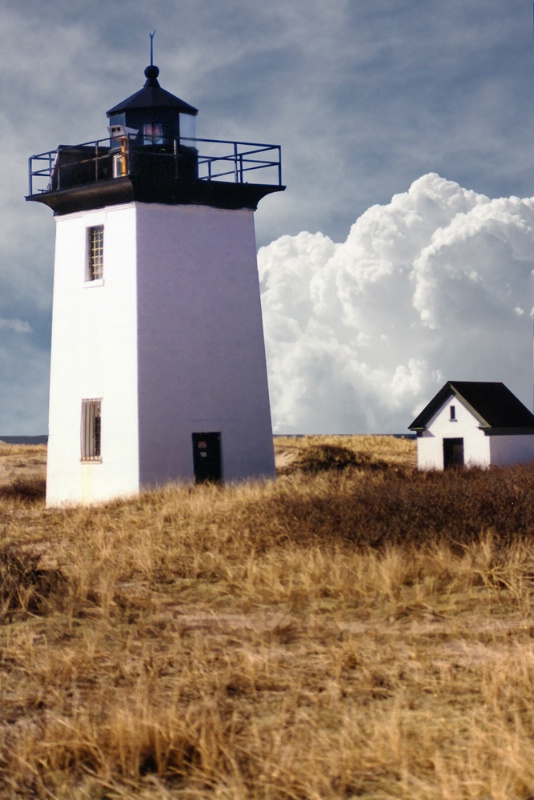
(158, 369)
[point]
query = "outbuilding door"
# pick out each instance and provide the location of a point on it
(207, 457)
(453, 453)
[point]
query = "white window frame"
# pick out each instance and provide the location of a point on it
(91, 430)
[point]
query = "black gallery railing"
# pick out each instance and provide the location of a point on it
(220, 160)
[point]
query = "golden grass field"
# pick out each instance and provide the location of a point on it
(354, 629)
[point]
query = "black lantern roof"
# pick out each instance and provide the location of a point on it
(152, 96)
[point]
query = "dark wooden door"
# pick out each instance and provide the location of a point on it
(453, 453)
(207, 457)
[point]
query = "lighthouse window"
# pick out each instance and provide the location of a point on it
(95, 253)
(153, 133)
(91, 440)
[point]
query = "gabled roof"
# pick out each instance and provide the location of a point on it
(152, 96)
(492, 404)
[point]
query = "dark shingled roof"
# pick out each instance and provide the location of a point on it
(493, 404)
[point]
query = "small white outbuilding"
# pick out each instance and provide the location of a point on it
(474, 423)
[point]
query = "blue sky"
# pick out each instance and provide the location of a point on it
(366, 97)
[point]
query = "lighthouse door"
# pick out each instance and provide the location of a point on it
(207, 457)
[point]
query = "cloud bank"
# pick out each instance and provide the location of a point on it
(435, 285)
(362, 97)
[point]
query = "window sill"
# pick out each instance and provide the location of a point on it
(96, 460)
(93, 284)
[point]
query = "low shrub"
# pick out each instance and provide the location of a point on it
(325, 457)
(24, 586)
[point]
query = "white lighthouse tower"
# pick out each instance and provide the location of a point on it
(158, 366)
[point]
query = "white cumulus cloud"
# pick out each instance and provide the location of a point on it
(436, 285)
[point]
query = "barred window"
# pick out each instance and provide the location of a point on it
(91, 430)
(95, 253)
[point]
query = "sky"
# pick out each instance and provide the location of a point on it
(401, 253)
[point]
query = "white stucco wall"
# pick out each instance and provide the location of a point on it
(94, 333)
(201, 349)
(430, 444)
(507, 450)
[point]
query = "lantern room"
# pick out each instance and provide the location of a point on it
(153, 115)
(152, 155)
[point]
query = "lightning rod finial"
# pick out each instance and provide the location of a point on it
(152, 48)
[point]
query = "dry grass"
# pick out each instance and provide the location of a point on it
(344, 632)
(22, 463)
(374, 450)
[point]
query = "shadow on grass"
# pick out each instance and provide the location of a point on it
(25, 490)
(326, 457)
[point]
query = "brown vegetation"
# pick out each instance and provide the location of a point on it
(353, 630)
(21, 463)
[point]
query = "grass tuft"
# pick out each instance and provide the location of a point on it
(23, 585)
(324, 457)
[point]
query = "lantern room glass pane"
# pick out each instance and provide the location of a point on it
(187, 128)
(152, 133)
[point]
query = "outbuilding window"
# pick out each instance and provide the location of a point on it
(95, 253)
(452, 410)
(91, 430)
